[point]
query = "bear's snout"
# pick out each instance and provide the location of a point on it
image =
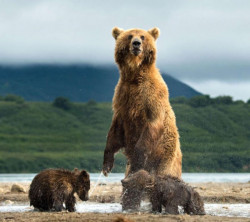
(84, 196)
(136, 46)
(136, 43)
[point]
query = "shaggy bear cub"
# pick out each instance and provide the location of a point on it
(166, 191)
(51, 188)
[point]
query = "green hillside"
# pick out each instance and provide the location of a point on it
(38, 135)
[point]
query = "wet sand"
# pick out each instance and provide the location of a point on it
(110, 193)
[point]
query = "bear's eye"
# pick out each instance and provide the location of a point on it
(130, 37)
(142, 37)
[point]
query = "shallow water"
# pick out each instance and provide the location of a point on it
(117, 177)
(229, 210)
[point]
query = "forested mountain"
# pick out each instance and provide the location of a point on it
(78, 83)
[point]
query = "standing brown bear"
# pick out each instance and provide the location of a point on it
(53, 187)
(166, 191)
(143, 120)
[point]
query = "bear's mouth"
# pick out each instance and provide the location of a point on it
(136, 51)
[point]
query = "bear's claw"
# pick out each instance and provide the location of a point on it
(106, 169)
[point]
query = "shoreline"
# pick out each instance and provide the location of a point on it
(222, 193)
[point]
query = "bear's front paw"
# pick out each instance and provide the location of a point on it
(107, 168)
(71, 209)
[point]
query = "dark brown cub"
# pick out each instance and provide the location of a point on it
(133, 189)
(53, 187)
(166, 191)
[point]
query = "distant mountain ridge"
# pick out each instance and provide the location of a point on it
(76, 82)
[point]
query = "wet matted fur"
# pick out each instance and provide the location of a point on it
(166, 191)
(143, 120)
(53, 187)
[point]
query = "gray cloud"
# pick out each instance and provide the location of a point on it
(200, 40)
(239, 90)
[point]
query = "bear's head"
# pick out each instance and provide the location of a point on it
(138, 181)
(196, 204)
(134, 186)
(135, 47)
(83, 185)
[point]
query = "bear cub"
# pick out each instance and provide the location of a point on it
(166, 191)
(51, 188)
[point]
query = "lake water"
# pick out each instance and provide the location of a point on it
(229, 210)
(117, 177)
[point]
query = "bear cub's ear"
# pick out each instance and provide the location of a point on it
(116, 32)
(76, 171)
(155, 32)
(84, 174)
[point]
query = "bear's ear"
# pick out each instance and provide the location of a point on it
(155, 32)
(116, 32)
(84, 174)
(76, 171)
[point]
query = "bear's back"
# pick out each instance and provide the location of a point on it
(52, 176)
(47, 182)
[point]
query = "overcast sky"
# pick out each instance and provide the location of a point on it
(203, 43)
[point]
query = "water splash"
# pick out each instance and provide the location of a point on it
(97, 182)
(124, 193)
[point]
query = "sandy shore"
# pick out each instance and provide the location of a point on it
(42, 217)
(110, 193)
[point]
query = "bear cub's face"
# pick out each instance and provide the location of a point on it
(83, 185)
(138, 181)
(135, 45)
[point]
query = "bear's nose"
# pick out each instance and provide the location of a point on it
(136, 43)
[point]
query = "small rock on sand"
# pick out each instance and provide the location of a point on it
(102, 184)
(16, 188)
(8, 202)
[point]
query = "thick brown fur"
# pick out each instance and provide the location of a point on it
(53, 187)
(166, 191)
(143, 121)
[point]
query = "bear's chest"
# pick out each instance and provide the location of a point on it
(130, 101)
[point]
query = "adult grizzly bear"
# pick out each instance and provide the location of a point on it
(53, 187)
(143, 120)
